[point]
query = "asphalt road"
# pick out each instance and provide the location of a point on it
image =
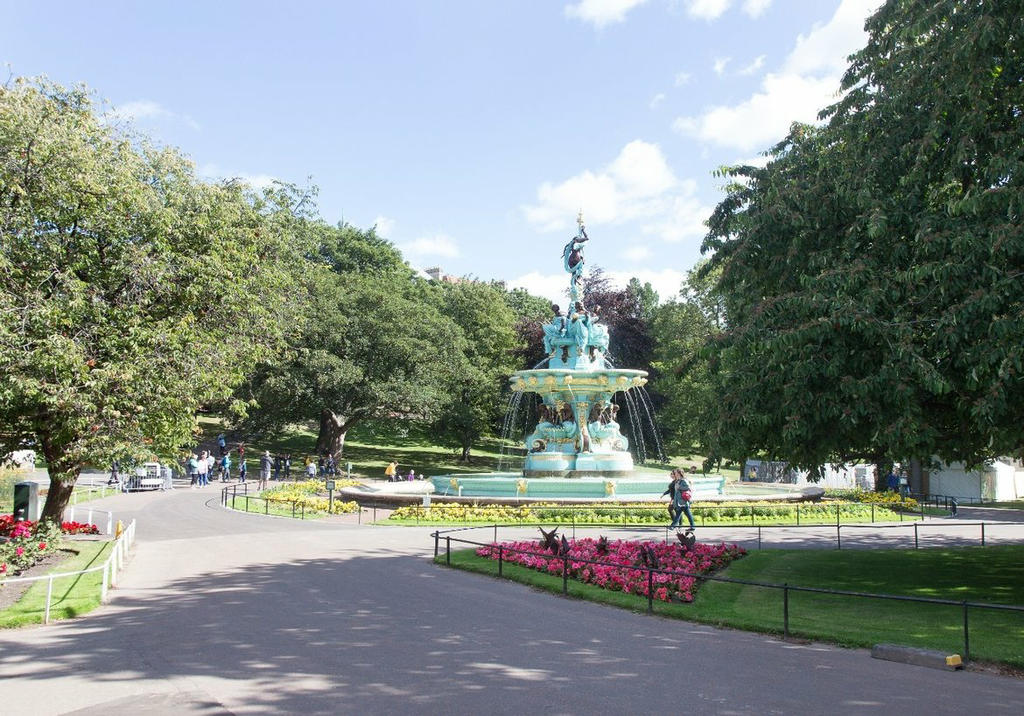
(221, 612)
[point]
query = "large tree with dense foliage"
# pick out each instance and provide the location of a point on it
(130, 292)
(681, 329)
(490, 345)
(372, 344)
(872, 270)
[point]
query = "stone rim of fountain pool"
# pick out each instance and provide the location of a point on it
(406, 493)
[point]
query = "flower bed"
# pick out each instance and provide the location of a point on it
(621, 561)
(26, 542)
(723, 513)
(308, 494)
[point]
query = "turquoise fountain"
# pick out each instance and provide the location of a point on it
(577, 449)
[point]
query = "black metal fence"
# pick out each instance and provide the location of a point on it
(963, 606)
(230, 497)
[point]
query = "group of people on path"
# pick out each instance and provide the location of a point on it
(204, 466)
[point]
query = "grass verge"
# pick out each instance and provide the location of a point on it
(72, 596)
(984, 574)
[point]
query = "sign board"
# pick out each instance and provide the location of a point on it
(330, 485)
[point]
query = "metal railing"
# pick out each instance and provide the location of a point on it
(785, 588)
(72, 511)
(110, 568)
(230, 498)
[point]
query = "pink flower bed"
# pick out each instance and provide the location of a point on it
(621, 571)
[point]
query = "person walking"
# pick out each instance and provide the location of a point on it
(222, 443)
(202, 469)
(193, 471)
(278, 462)
(331, 466)
(225, 467)
(390, 471)
(241, 469)
(681, 497)
(210, 462)
(288, 466)
(266, 464)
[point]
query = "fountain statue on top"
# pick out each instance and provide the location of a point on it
(577, 434)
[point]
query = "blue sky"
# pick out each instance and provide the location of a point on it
(470, 132)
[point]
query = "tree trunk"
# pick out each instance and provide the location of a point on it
(57, 498)
(465, 452)
(331, 438)
(63, 477)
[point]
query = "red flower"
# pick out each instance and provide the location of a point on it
(42, 545)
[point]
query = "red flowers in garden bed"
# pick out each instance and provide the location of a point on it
(10, 528)
(622, 564)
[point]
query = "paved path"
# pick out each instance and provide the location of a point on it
(230, 613)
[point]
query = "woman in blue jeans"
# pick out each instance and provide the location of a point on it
(680, 499)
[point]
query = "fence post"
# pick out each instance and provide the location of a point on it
(437, 537)
(501, 558)
(751, 515)
(982, 534)
(565, 575)
(759, 536)
(49, 595)
(785, 611)
(266, 506)
(967, 636)
(573, 513)
(448, 550)
(839, 539)
(650, 591)
(495, 531)
(915, 536)
(837, 514)
(872, 513)
(103, 586)
(798, 515)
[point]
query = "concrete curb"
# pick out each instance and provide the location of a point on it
(917, 657)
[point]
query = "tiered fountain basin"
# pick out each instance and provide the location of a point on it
(579, 391)
(575, 487)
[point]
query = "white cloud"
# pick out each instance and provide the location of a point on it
(657, 99)
(637, 253)
(719, 65)
(384, 226)
(683, 78)
(434, 245)
(754, 66)
(257, 181)
(665, 281)
(601, 12)
(637, 186)
(551, 286)
(807, 82)
(707, 9)
(148, 109)
(629, 187)
(756, 8)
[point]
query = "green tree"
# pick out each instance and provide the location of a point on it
(488, 327)
(127, 286)
(871, 270)
(371, 344)
(681, 329)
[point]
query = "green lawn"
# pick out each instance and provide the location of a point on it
(984, 574)
(72, 596)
